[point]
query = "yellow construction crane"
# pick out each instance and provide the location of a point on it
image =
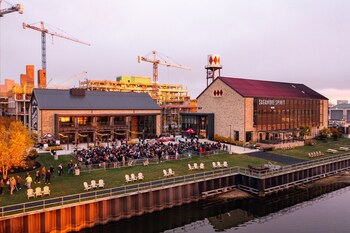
(158, 60)
(45, 31)
(12, 8)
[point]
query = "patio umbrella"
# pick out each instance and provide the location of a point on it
(47, 136)
(190, 131)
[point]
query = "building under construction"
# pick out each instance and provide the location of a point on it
(173, 98)
(15, 97)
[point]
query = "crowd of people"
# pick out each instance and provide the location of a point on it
(41, 175)
(122, 152)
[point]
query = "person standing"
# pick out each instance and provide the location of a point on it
(47, 177)
(18, 181)
(37, 177)
(29, 181)
(52, 171)
(60, 169)
(43, 172)
(12, 185)
(2, 186)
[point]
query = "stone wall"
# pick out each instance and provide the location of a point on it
(228, 109)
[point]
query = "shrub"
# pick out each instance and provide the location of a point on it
(32, 154)
(310, 142)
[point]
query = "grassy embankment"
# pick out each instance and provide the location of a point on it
(302, 152)
(70, 184)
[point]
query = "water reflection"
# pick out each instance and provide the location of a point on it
(220, 215)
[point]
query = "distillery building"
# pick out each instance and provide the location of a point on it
(261, 111)
(77, 115)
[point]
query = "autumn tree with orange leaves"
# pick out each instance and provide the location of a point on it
(15, 142)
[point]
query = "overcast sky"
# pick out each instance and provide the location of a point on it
(299, 41)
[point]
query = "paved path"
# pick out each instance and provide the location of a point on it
(275, 157)
(233, 148)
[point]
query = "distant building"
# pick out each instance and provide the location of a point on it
(77, 115)
(4, 90)
(15, 97)
(342, 102)
(339, 114)
(264, 111)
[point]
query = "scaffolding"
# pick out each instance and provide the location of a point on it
(18, 102)
(172, 98)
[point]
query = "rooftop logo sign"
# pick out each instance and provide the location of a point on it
(271, 102)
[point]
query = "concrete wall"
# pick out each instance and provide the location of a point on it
(90, 213)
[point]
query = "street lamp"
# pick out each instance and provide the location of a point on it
(230, 139)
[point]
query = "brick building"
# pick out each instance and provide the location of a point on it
(77, 115)
(253, 110)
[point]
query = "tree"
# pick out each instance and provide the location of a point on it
(324, 133)
(305, 131)
(15, 141)
(336, 133)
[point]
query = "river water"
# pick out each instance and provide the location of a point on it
(313, 210)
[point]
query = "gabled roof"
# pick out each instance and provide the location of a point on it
(53, 99)
(269, 89)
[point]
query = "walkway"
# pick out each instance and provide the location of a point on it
(276, 158)
(233, 148)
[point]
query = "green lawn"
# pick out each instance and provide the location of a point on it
(70, 184)
(302, 152)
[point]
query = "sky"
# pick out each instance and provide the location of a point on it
(297, 41)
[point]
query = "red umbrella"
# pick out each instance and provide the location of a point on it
(190, 131)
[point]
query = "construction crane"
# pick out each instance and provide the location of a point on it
(158, 61)
(70, 79)
(45, 31)
(12, 8)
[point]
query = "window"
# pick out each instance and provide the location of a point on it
(84, 120)
(236, 135)
(119, 120)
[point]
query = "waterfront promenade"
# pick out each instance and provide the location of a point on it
(192, 184)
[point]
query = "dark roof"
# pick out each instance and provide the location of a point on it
(341, 106)
(53, 99)
(270, 89)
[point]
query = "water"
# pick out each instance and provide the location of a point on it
(316, 210)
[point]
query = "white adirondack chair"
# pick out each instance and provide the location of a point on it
(30, 193)
(133, 177)
(171, 172)
(86, 186)
(93, 184)
(140, 176)
(127, 178)
(101, 183)
(46, 191)
(190, 167)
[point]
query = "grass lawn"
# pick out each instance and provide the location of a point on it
(70, 184)
(302, 152)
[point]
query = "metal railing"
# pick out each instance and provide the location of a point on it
(137, 187)
(293, 167)
(111, 192)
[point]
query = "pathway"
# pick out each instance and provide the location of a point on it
(275, 157)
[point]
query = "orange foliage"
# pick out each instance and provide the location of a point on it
(14, 142)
